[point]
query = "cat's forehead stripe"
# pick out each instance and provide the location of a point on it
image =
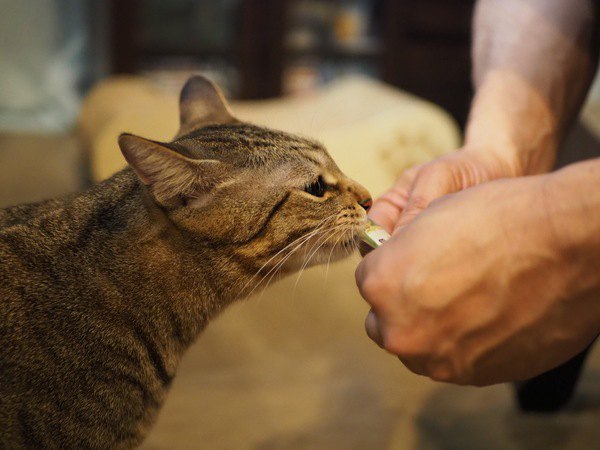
(240, 131)
(315, 157)
(248, 133)
(255, 140)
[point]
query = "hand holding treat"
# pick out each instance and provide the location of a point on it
(478, 289)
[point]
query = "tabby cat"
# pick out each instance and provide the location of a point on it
(101, 293)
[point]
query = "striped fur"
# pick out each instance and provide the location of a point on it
(101, 293)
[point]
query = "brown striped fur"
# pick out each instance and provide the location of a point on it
(102, 292)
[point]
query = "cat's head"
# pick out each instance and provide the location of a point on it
(265, 195)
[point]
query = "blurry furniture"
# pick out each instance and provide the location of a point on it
(373, 130)
(421, 46)
(428, 51)
(240, 35)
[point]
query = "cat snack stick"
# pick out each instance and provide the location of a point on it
(374, 235)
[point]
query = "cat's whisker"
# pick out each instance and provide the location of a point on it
(317, 231)
(309, 253)
(321, 224)
(301, 271)
(332, 233)
(281, 263)
(277, 268)
(303, 237)
(302, 240)
(307, 259)
(333, 247)
(299, 241)
(355, 243)
(318, 240)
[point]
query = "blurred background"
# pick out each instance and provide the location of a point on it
(53, 51)
(385, 84)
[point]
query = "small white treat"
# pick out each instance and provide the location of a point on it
(374, 235)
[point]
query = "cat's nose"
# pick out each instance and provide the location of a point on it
(360, 194)
(366, 204)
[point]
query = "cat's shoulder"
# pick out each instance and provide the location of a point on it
(20, 214)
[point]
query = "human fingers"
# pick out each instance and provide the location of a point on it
(372, 328)
(433, 181)
(386, 209)
(375, 331)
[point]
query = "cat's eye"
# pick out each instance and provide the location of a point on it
(317, 187)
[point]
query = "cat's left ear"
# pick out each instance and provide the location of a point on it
(202, 103)
(171, 177)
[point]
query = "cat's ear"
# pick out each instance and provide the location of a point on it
(170, 176)
(202, 103)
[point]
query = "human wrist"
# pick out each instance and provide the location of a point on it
(514, 123)
(571, 198)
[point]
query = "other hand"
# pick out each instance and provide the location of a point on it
(416, 188)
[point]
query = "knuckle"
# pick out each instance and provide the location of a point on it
(393, 345)
(445, 366)
(392, 198)
(370, 287)
(407, 178)
(376, 287)
(442, 372)
(417, 203)
(372, 329)
(413, 285)
(434, 172)
(403, 345)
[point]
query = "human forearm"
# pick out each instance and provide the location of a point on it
(533, 62)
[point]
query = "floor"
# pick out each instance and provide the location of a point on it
(294, 370)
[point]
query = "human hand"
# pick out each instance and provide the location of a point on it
(417, 187)
(479, 288)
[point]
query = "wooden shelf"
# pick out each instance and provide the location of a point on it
(337, 52)
(424, 48)
(162, 51)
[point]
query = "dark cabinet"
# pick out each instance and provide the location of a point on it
(421, 46)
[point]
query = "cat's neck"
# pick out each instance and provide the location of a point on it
(160, 278)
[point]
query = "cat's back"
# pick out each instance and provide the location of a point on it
(31, 303)
(23, 213)
(60, 345)
(32, 249)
